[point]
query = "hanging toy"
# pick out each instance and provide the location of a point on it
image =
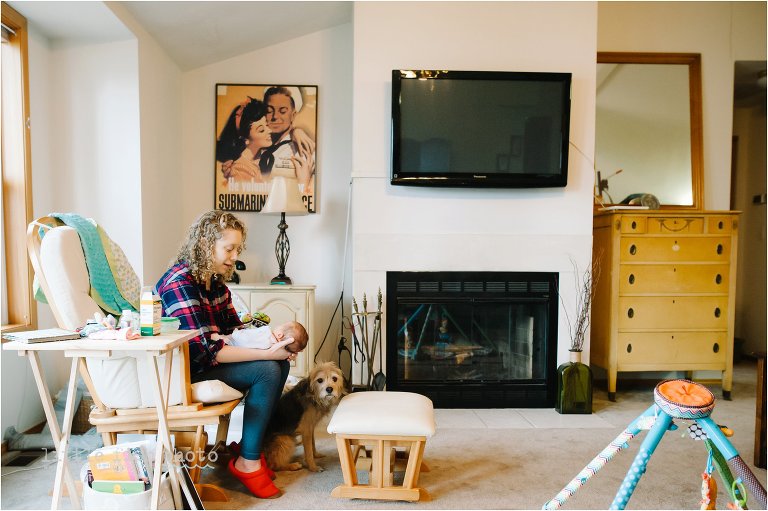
(740, 501)
(708, 487)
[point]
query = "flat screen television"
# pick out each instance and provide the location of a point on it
(480, 128)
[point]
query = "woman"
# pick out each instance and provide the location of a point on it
(193, 290)
(256, 136)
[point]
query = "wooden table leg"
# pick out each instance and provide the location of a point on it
(59, 440)
(164, 446)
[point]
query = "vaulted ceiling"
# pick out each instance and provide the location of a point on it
(194, 34)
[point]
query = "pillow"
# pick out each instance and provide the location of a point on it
(213, 391)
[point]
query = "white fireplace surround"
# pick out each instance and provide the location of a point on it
(432, 229)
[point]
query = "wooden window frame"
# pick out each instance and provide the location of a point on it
(17, 198)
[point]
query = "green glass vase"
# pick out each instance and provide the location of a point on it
(574, 386)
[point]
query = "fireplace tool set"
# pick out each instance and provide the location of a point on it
(368, 345)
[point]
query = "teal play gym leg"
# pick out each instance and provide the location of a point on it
(673, 399)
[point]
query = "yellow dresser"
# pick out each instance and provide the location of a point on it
(665, 297)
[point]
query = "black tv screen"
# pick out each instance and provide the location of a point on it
(480, 128)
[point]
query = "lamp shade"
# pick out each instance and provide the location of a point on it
(284, 197)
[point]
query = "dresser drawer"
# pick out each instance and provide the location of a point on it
(720, 224)
(673, 225)
(681, 347)
(672, 249)
(673, 278)
(633, 224)
(678, 312)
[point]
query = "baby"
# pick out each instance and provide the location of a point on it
(264, 337)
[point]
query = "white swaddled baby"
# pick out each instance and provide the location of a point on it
(264, 337)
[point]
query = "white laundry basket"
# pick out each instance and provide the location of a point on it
(93, 499)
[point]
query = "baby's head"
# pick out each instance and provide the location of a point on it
(298, 332)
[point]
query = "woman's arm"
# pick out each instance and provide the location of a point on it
(304, 167)
(304, 143)
(246, 167)
(277, 351)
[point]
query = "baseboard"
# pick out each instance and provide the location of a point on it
(649, 383)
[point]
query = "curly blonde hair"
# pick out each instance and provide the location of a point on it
(197, 248)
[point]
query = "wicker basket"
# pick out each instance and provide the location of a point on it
(80, 422)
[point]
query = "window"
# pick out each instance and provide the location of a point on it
(18, 308)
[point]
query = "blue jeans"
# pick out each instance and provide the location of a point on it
(262, 381)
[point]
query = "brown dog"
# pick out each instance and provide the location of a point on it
(297, 413)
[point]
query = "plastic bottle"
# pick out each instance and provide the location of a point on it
(150, 310)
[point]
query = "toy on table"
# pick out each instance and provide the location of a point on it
(101, 327)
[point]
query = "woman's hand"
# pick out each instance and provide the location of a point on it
(304, 164)
(304, 142)
(279, 351)
(226, 168)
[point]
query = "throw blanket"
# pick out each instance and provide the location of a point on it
(114, 285)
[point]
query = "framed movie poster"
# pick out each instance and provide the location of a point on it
(264, 131)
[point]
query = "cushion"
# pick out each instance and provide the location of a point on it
(384, 414)
(144, 379)
(213, 391)
(115, 380)
(63, 263)
(684, 399)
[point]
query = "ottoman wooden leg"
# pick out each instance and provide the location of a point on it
(347, 461)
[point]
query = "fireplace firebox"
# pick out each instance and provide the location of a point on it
(473, 339)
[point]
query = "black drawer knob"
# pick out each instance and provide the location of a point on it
(715, 348)
(629, 348)
(631, 313)
(717, 312)
(633, 249)
(719, 249)
(718, 279)
(720, 225)
(631, 278)
(634, 225)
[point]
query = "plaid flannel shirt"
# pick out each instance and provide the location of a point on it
(208, 312)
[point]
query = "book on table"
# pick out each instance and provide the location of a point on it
(45, 335)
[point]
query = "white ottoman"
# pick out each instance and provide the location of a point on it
(382, 422)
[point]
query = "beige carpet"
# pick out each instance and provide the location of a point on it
(522, 467)
(500, 459)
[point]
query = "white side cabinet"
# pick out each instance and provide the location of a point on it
(281, 304)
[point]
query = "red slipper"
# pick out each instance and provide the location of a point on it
(235, 448)
(257, 482)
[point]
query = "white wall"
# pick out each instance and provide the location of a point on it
(90, 161)
(158, 202)
(397, 228)
(324, 59)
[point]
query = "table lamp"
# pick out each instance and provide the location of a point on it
(284, 199)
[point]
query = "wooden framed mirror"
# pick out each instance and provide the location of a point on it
(648, 128)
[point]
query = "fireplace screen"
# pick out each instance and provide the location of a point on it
(451, 335)
(475, 341)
